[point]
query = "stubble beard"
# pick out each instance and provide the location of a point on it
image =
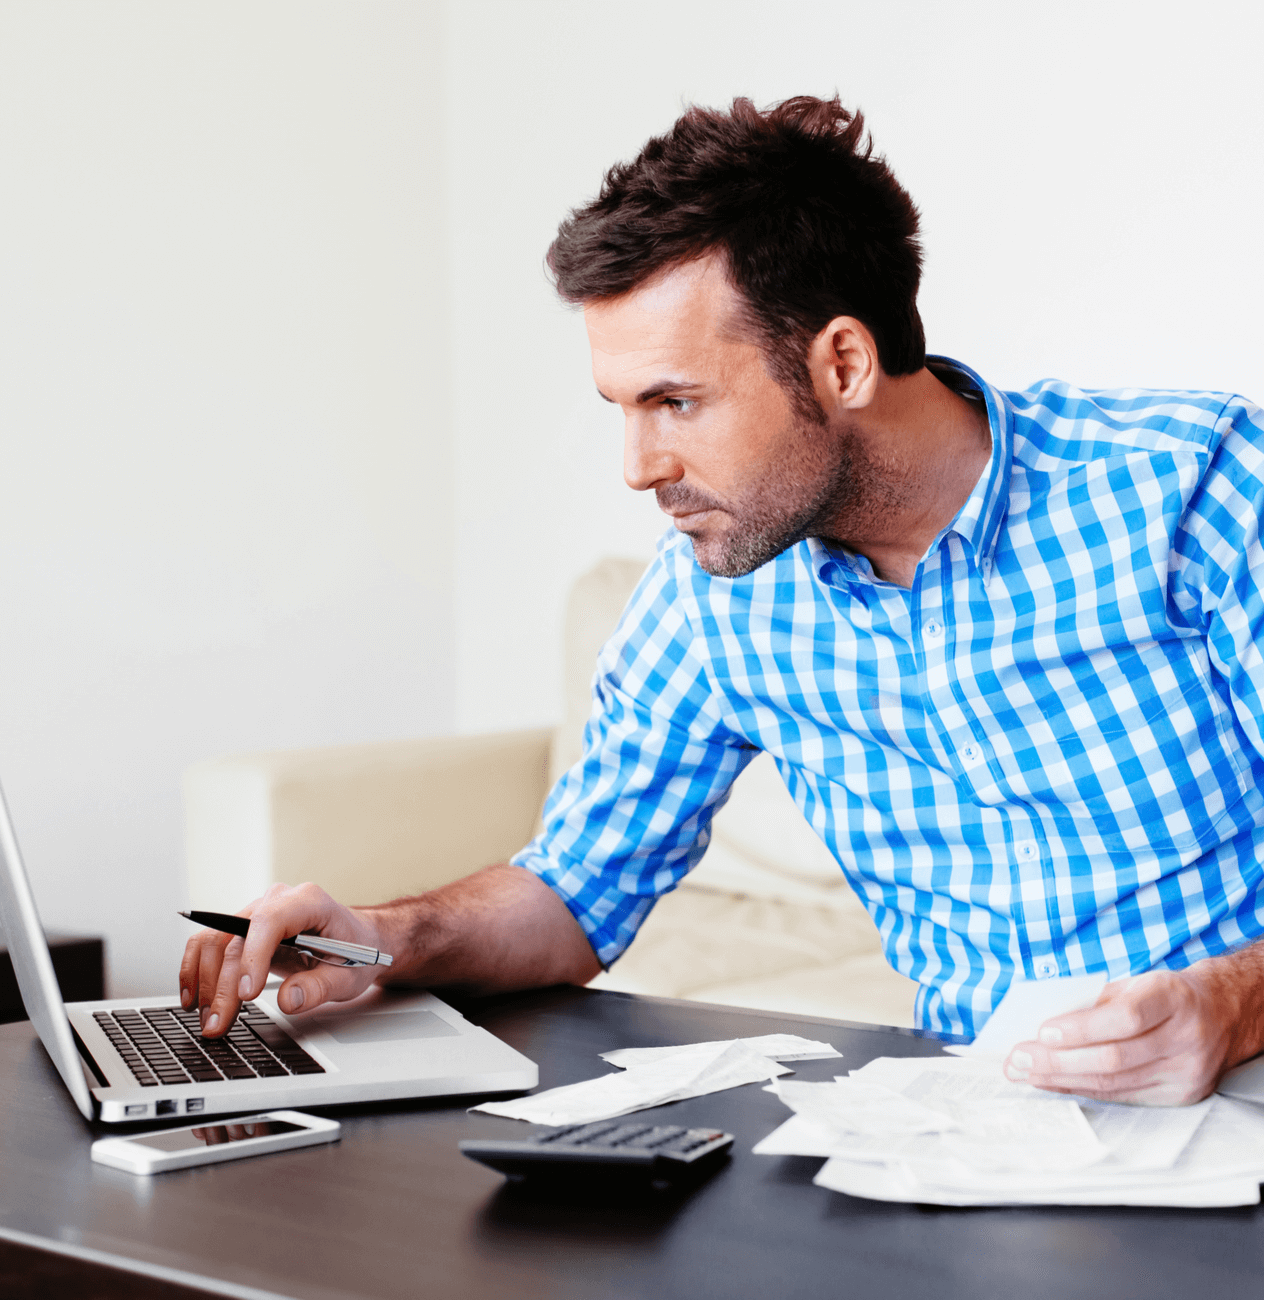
(823, 490)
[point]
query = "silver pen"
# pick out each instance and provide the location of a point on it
(352, 954)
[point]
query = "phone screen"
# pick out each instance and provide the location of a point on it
(212, 1135)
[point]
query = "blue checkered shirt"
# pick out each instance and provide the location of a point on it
(1045, 758)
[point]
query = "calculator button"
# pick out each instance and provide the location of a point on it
(589, 1132)
(654, 1137)
(617, 1137)
(691, 1141)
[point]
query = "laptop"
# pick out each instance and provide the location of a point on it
(134, 1059)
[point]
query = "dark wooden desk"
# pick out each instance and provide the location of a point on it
(395, 1211)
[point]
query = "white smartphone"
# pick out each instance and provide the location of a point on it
(213, 1141)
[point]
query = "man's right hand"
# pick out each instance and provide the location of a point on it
(497, 930)
(220, 971)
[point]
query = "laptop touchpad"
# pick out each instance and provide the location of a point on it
(384, 1026)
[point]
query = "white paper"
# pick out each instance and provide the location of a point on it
(1245, 1082)
(963, 1080)
(872, 1182)
(1230, 1141)
(777, 1047)
(799, 1136)
(1012, 1144)
(1027, 1004)
(1222, 1165)
(857, 1106)
(1118, 1174)
(689, 1072)
(1139, 1137)
(1145, 1138)
(898, 1072)
(944, 1111)
(891, 1183)
(1041, 1137)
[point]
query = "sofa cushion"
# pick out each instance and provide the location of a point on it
(764, 953)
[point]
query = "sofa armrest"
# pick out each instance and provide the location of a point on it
(365, 822)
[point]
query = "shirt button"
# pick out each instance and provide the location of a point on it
(970, 754)
(1027, 850)
(934, 629)
(1046, 969)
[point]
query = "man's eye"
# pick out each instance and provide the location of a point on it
(681, 405)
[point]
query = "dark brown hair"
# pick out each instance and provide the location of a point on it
(811, 224)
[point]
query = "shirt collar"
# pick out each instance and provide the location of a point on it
(978, 522)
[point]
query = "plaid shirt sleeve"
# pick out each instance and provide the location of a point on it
(1218, 562)
(633, 816)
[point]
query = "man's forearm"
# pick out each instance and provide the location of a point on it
(497, 930)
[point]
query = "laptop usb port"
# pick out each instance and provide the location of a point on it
(195, 1104)
(139, 1109)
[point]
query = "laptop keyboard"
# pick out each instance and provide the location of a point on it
(165, 1045)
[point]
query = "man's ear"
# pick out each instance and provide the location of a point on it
(843, 363)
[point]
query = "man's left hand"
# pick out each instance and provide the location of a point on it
(1164, 1038)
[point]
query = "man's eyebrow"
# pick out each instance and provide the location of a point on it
(657, 390)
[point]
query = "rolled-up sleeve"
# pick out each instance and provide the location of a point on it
(633, 816)
(1217, 579)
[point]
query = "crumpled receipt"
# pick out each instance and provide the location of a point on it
(657, 1075)
(777, 1047)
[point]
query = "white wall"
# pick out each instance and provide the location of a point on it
(1090, 175)
(225, 470)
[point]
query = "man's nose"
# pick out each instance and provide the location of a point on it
(646, 462)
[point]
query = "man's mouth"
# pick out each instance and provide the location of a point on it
(685, 520)
(683, 505)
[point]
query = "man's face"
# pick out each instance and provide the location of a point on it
(720, 442)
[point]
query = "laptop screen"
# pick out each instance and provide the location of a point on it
(34, 967)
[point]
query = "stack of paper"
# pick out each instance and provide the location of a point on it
(654, 1076)
(948, 1131)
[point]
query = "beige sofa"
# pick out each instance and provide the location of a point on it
(766, 920)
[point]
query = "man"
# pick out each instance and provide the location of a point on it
(1002, 646)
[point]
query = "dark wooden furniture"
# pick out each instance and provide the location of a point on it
(395, 1211)
(78, 960)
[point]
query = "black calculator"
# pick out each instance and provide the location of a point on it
(615, 1151)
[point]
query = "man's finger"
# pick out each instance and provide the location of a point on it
(310, 988)
(210, 959)
(1126, 1011)
(219, 1014)
(280, 914)
(1176, 1081)
(1096, 1082)
(189, 964)
(1109, 1058)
